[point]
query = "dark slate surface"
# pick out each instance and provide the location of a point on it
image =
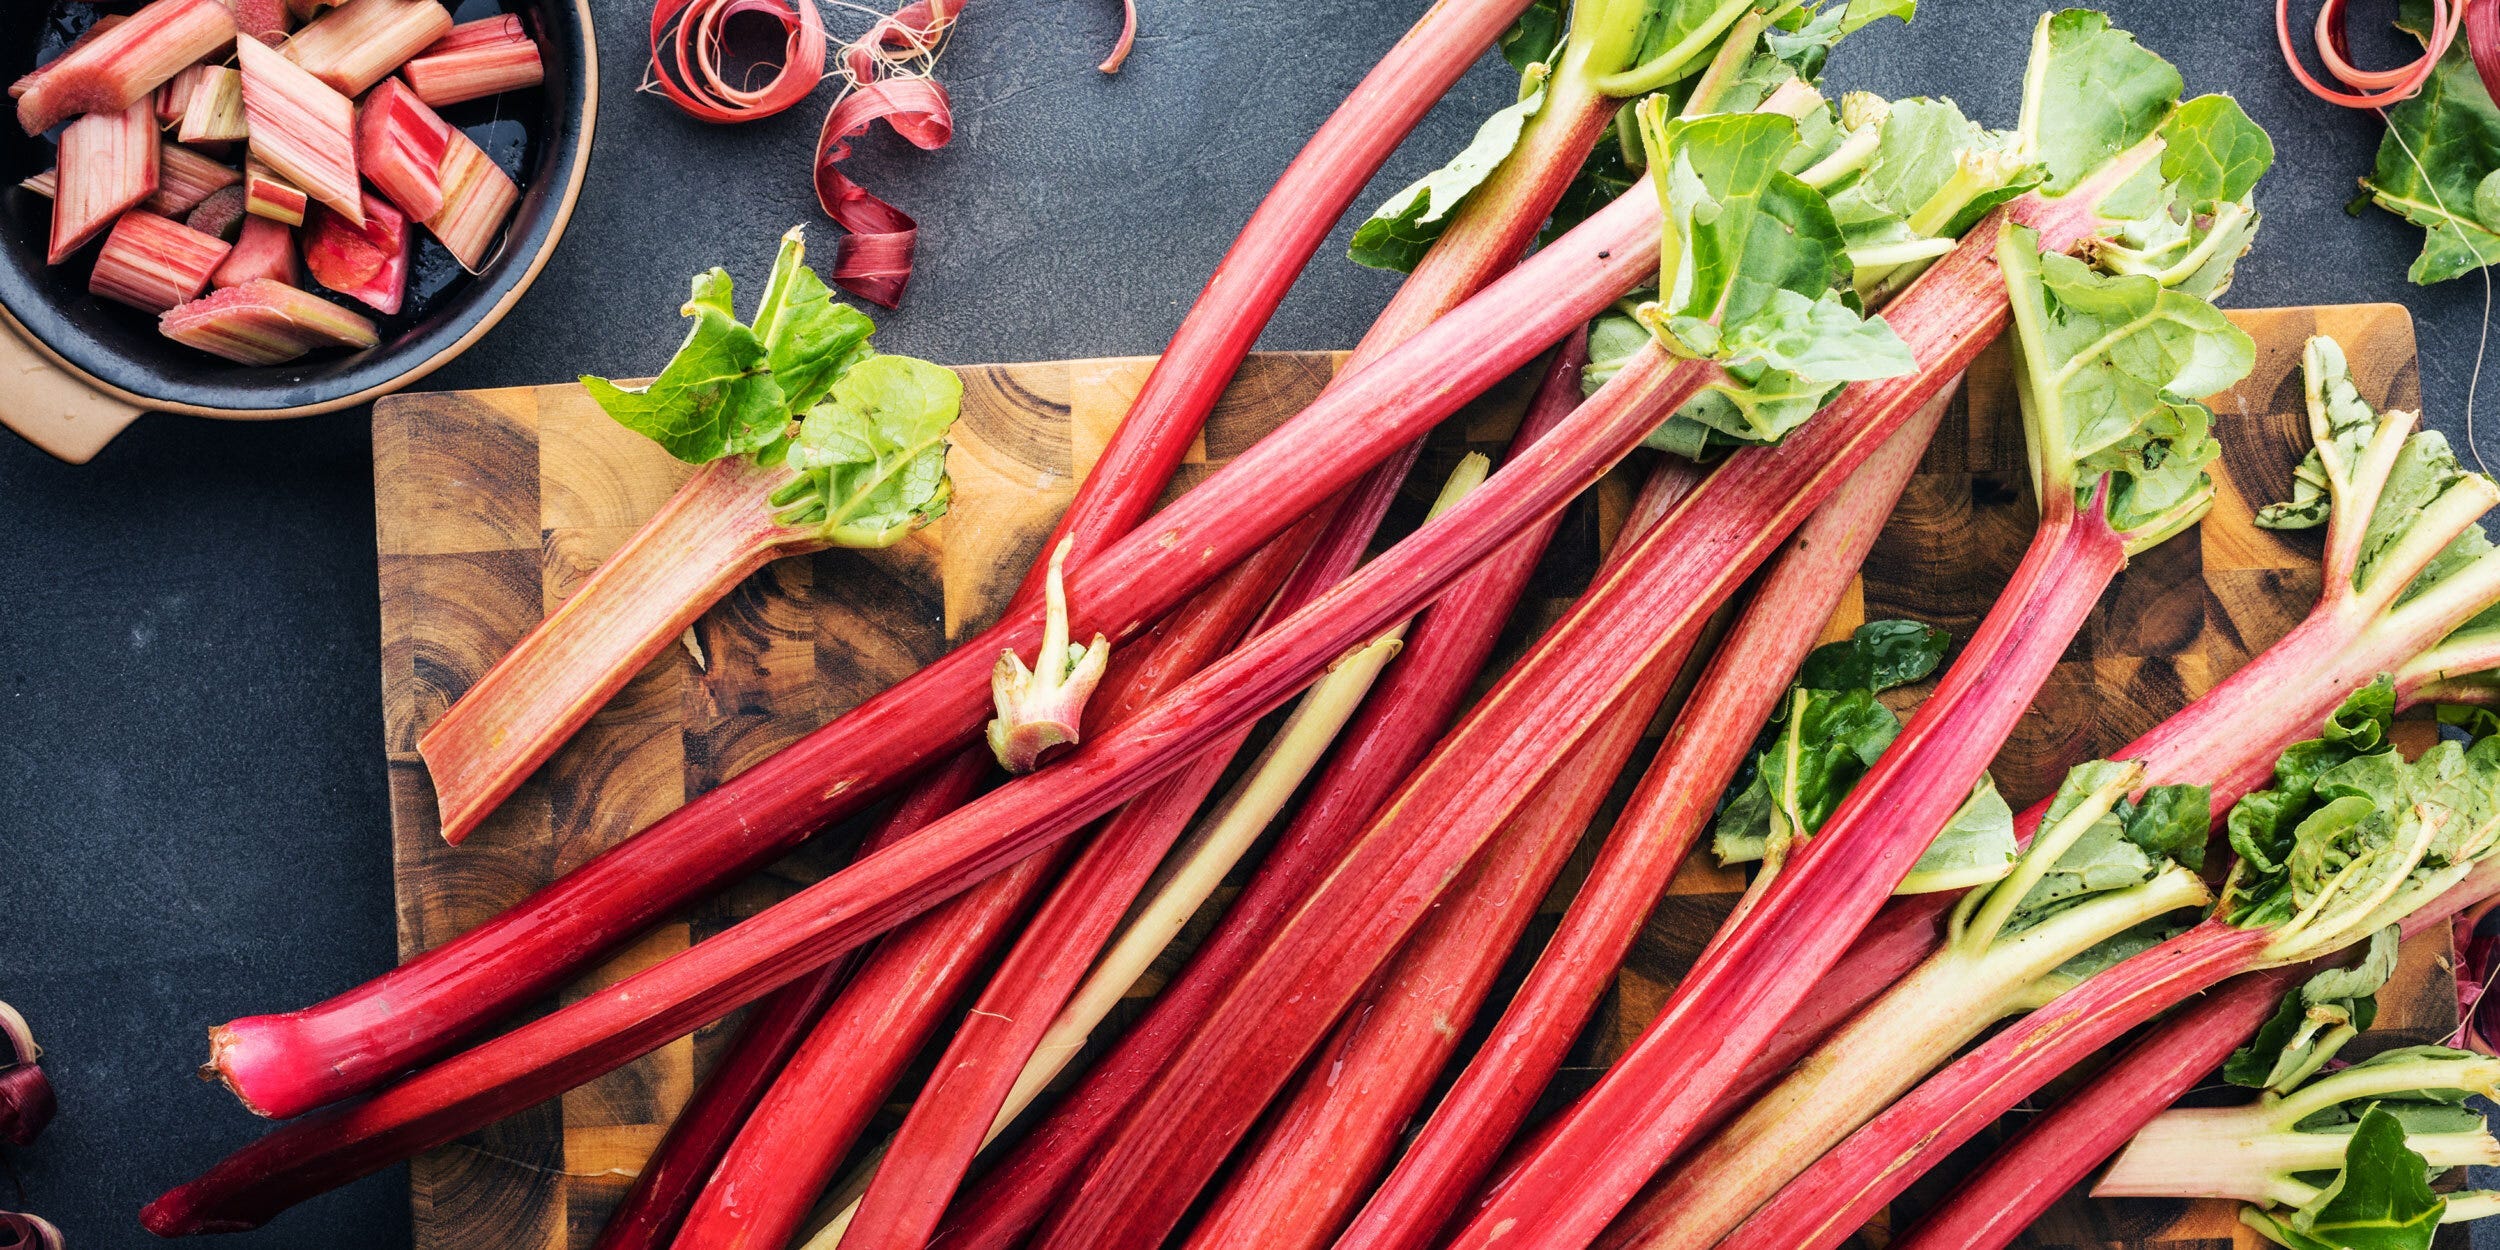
(191, 806)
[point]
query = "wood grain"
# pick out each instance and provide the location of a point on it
(493, 505)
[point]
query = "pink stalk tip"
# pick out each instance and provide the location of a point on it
(1044, 706)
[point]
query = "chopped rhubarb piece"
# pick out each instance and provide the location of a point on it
(265, 250)
(154, 264)
(108, 163)
(175, 95)
(360, 42)
(184, 178)
(43, 183)
(400, 145)
(265, 323)
(214, 112)
(301, 127)
(26, 81)
(221, 214)
(126, 64)
(477, 59)
(265, 194)
(265, 20)
(477, 196)
(367, 261)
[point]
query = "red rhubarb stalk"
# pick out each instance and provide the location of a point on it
(301, 127)
(26, 82)
(1465, 1135)
(1172, 406)
(153, 264)
(365, 1036)
(360, 42)
(108, 164)
(1389, 736)
(125, 65)
(656, 1208)
(401, 146)
(477, 59)
(265, 194)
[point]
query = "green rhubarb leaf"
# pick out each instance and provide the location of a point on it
(809, 338)
(1614, 339)
(2213, 153)
(716, 397)
(872, 456)
(2382, 1198)
(1820, 741)
(2314, 1020)
(2263, 825)
(2440, 147)
(2189, 232)
(2425, 468)
(2336, 404)
(2090, 93)
(1876, 656)
(1976, 846)
(1532, 39)
(2126, 846)
(2107, 368)
(1401, 230)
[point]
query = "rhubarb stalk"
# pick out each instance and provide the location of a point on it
(401, 146)
(474, 60)
(263, 250)
(360, 42)
(477, 198)
(124, 66)
(108, 164)
(184, 178)
(261, 322)
(301, 127)
(154, 265)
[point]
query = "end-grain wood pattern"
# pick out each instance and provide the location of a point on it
(494, 505)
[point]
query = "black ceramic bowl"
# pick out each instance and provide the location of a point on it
(79, 368)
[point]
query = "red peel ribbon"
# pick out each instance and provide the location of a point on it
(1128, 37)
(2374, 89)
(873, 260)
(26, 1232)
(689, 47)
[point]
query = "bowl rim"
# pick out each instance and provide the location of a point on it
(417, 370)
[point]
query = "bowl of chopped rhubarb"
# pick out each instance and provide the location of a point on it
(272, 208)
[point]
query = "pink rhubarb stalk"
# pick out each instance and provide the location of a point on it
(1467, 1131)
(366, 1036)
(266, 194)
(1177, 396)
(107, 165)
(265, 323)
(126, 64)
(478, 197)
(366, 261)
(360, 42)
(264, 250)
(301, 127)
(153, 264)
(476, 59)
(184, 178)
(213, 113)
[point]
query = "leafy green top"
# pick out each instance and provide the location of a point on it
(2380, 1200)
(2441, 149)
(801, 387)
(2314, 1021)
(2106, 367)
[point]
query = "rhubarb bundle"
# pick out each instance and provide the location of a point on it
(295, 109)
(2352, 839)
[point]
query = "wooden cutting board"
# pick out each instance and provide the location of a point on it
(493, 505)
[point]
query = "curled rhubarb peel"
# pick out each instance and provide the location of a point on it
(2372, 88)
(873, 260)
(357, 1040)
(687, 43)
(1128, 39)
(1044, 706)
(28, 1232)
(2482, 41)
(25, 1095)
